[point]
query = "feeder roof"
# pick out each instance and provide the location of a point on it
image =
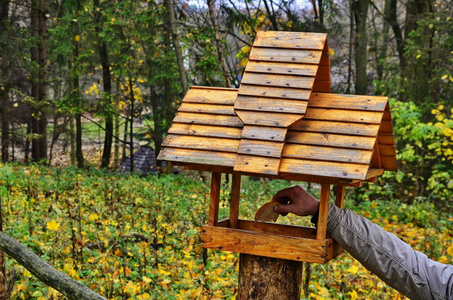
(283, 121)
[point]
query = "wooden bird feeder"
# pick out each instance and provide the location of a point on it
(283, 122)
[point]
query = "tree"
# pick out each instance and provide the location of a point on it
(38, 28)
(359, 9)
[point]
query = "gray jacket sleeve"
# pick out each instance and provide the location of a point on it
(395, 262)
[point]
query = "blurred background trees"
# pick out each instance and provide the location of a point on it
(111, 74)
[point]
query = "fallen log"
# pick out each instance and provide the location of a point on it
(45, 272)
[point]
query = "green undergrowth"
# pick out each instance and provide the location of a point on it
(133, 237)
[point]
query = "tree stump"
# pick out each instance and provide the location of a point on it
(269, 278)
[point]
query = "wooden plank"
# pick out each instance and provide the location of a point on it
(205, 130)
(339, 196)
(325, 62)
(321, 231)
(387, 150)
(321, 86)
(374, 172)
(285, 55)
(198, 157)
(376, 160)
(234, 200)
(264, 133)
(274, 92)
(327, 153)
(386, 127)
(270, 104)
(267, 119)
(323, 74)
(280, 229)
(287, 81)
(324, 168)
(214, 199)
(389, 163)
(210, 95)
(201, 143)
(336, 127)
(386, 138)
(291, 40)
(206, 119)
(257, 164)
(331, 140)
(364, 117)
(282, 68)
(207, 109)
(353, 102)
(261, 148)
(263, 244)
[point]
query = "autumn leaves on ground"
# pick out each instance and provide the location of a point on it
(131, 237)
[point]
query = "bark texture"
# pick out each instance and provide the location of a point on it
(45, 272)
(269, 278)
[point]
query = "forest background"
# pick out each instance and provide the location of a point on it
(83, 83)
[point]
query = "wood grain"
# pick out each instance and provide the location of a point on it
(286, 81)
(267, 119)
(352, 102)
(290, 40)
(282, 68)
(346, 128)
(324, 168)
(327, 153)
(222, 159)
(285, 55)
(214, 198)
(234, 200)
(271, 105)
(207, 109)
(321, 231)
(261, 148)
(257, 164)
(264, 133)
(364, 117)
(205, 130)
(274, 92)
(206, 119)
(201, 143)
(210, 95)
(331, 140)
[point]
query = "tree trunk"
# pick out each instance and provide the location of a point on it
(213, 16)
(360, 10)
(131, 131)
(268, 278)
(400, 42)
(107, 87)
(175, 38)
(78, 114)
(4, 85)
(270, 14)
(38, 90)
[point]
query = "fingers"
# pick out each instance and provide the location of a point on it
(283, 196)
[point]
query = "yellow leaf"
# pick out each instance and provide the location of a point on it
(93, 217)
(131, 288)
(418, 56)
(450, 250)
(53, 225)
(77, 38)
(331, 52)
(444, 77)
(353, 295)
(353, 269)
(146, 279)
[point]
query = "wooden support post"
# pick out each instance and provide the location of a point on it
(268, 278)
(234, 200)
(339, 199)
(323, 210)
(215, 199)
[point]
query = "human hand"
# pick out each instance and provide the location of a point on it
(295, 200)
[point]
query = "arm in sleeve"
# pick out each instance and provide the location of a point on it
(391, 259)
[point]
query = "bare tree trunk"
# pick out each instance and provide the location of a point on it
(107, 85)
(131, 131)
(4, 85)
(39, 56)
(175, 38)
(360, 10)
(213, 16)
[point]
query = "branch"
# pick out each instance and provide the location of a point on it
(45, 272)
